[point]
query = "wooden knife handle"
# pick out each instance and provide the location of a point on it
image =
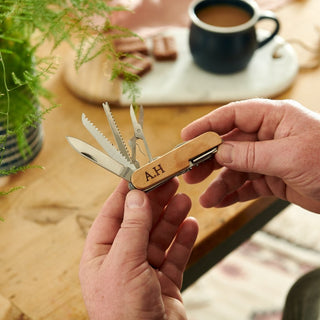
(173, 162)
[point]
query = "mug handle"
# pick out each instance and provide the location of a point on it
(270, 16)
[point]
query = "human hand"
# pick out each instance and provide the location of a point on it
(135, 255)
(270, 148)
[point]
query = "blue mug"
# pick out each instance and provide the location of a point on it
(222, 36)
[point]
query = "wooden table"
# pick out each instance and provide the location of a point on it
(46, 223)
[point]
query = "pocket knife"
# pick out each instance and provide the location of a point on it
(124, 163)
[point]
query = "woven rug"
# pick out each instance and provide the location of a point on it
(252, 282)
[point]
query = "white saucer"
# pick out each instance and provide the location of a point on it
(182, 82)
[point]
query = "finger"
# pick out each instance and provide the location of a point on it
(250, 190)
(264, 157)
(238, 115)
(227, 182)
(160, 197)
(179, 252)
(107, 223)
(131, 242)
(165, 230)
(247, 191)
(201, 172)
(237, 135)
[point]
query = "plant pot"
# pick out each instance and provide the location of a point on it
(12, 155)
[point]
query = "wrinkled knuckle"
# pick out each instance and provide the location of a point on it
(250, 156)
(131, 223)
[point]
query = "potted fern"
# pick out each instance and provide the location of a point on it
(24, 26)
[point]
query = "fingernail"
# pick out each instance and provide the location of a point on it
(135, 199)
(225, 153)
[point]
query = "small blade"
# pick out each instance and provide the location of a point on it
(141, 116)
(100, 158)
(105, 143)
(133, 147)
(116, 133)
(133, 142)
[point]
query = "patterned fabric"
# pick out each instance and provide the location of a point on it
(253, 281)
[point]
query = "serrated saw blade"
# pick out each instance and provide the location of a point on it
(116, 133)
(105, 143)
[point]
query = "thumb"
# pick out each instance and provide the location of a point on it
(263, 157)
(131, 242)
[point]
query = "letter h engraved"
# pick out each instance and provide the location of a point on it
(157, 171)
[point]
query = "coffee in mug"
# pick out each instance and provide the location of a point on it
(223, 15)
(223, 36)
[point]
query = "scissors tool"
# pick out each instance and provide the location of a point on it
(125, 165)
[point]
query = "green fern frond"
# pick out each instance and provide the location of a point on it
(27, 24)
(5, 193)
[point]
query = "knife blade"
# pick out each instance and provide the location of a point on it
(98, 157)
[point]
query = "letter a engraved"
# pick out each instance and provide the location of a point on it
(157, 171)
(148, 176)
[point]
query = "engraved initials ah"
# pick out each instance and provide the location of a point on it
(155, 172)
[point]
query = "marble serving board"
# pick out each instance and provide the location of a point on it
(183, 82)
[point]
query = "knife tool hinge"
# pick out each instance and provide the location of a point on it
(203, 157)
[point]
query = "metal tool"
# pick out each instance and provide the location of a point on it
(125, 165)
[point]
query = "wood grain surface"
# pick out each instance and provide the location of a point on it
(42, 237)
